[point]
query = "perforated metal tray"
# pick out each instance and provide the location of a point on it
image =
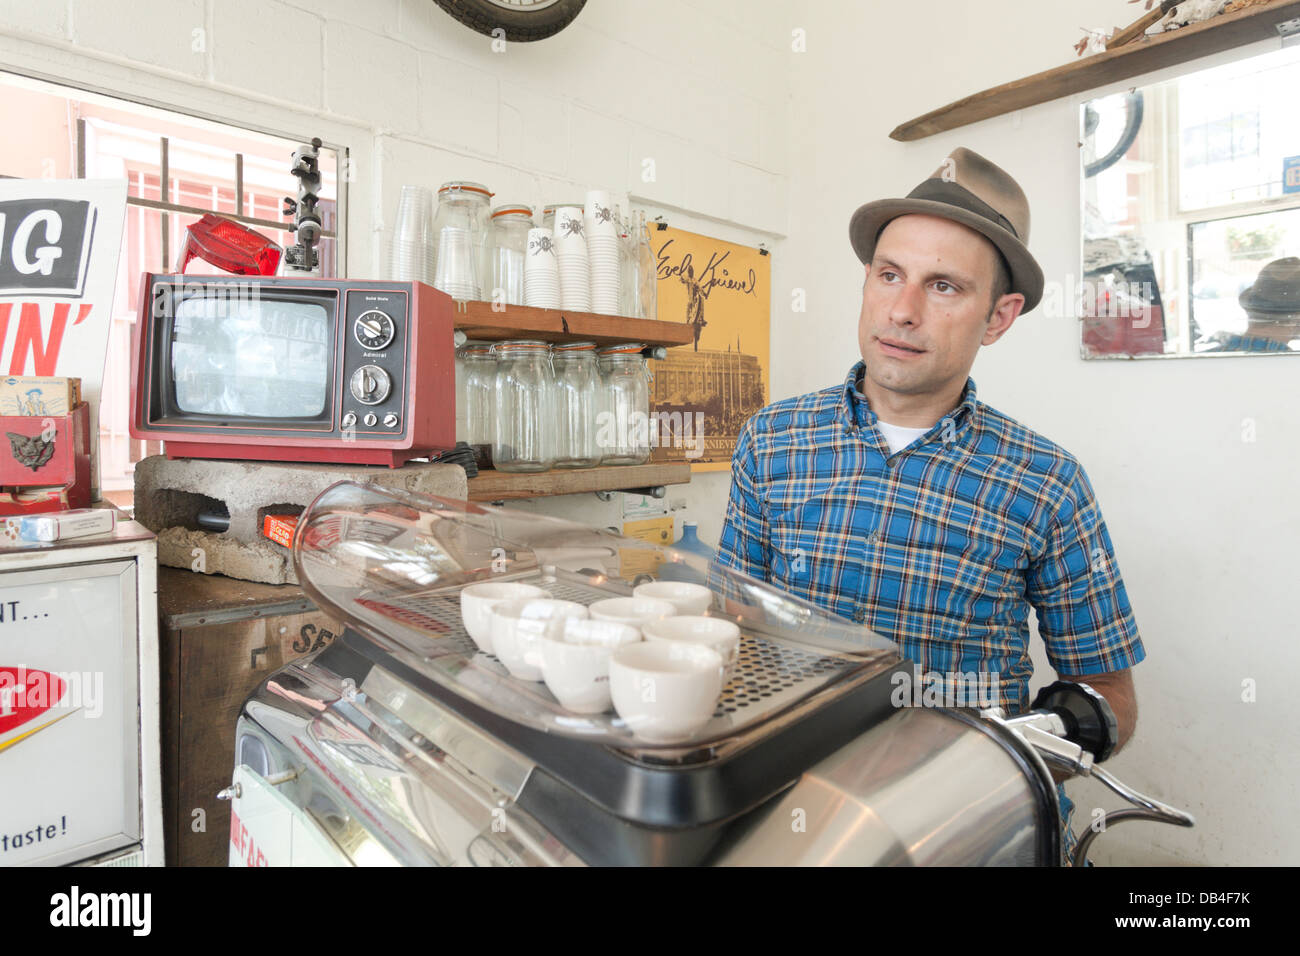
(772, 673)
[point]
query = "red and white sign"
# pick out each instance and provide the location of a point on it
(59, 243)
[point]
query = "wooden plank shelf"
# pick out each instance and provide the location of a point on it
(1146, 55)
(478, 321)
(493, 485)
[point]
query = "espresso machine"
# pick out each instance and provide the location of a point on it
(403, 743)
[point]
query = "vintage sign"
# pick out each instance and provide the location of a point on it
(68, 713)
(702, 394)
(59, 243)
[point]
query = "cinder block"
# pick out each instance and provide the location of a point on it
(281, 58)
(170, 494)
(23, 16)
(371, 78)
(167, 33)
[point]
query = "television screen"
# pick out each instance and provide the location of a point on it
(250, 357)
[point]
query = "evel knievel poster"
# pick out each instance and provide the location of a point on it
(59, 243)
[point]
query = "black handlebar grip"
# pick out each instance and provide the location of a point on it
(1089, 721)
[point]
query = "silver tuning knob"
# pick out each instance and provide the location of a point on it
(370, 384)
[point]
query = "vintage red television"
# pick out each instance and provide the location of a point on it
(289, 369)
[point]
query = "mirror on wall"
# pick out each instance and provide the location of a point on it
(1191, 214)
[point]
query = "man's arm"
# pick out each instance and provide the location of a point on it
(743, 543)
(1117, 687)
(1083, 609)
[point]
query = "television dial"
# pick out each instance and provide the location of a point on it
(370, 384)
(374, 329)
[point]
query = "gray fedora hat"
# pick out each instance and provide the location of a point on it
(970, 190)
(1276, 288)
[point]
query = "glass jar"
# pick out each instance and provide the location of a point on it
(478, 398)
(548, 213)
(646, 303)
(461, 235)
(524, 407)
(624, 428)
(510, 225)
(578, 402)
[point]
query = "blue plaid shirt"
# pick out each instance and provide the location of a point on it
(943, 547)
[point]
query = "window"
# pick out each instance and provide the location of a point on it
(210, 167)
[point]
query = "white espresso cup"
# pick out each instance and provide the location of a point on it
(722, 636)
(518, 626)
(575, 661)
(665, 690)
(686, 597)
(478, 599)
(634, 611)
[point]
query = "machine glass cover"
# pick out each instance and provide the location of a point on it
(393, 564)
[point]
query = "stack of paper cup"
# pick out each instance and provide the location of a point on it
(601, 221)
(411, 254)
(541, 271)
(571, 254)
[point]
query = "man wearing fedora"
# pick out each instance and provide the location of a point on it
(899, 500)
(1272, 306)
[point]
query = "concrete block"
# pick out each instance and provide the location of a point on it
(598, 149)
(458, 104)
(170, 494)
(371, 78)
(23, 16)
(281, 58)
(534, 129)
(168, 33)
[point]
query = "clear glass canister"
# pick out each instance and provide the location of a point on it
(510, 225)
(524, 408)
(623, 431)
(578, 402)
(478, 399)
(461, 240)
(548, 212)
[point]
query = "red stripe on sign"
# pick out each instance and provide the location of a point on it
(26, 694)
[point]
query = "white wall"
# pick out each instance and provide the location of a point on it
(1199, 518)
(757, 141)
(699, 88)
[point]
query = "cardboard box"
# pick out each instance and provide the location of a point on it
(280, 528)
(38, 395)
(45, 462)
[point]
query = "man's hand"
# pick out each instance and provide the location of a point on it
(1117, 687)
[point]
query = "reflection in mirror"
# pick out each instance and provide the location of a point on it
(1191, 214)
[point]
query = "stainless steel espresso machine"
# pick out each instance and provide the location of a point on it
(403, 744)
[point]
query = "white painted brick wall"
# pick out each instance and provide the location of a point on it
(165, 33)
(459, 105)
(24, 16)
(371, 78)
(281, 57)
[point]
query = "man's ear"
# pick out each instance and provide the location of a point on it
(1001, 318)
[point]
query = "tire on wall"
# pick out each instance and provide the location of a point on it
(520, 25)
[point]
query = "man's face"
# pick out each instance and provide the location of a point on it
(929, 287)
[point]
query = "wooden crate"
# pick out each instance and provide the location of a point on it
(219, 638)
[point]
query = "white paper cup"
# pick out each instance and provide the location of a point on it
(722, 636)
(666, 690)
(687, 598)
(633, 611)
(575, 661)
(518, 626)
(478, 599)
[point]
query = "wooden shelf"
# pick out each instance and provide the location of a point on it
(478, 321)
(1141, 56)
(500, 486)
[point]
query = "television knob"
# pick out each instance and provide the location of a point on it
(370, 384)
(390, 420)
(370, 419)
(349, 419)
